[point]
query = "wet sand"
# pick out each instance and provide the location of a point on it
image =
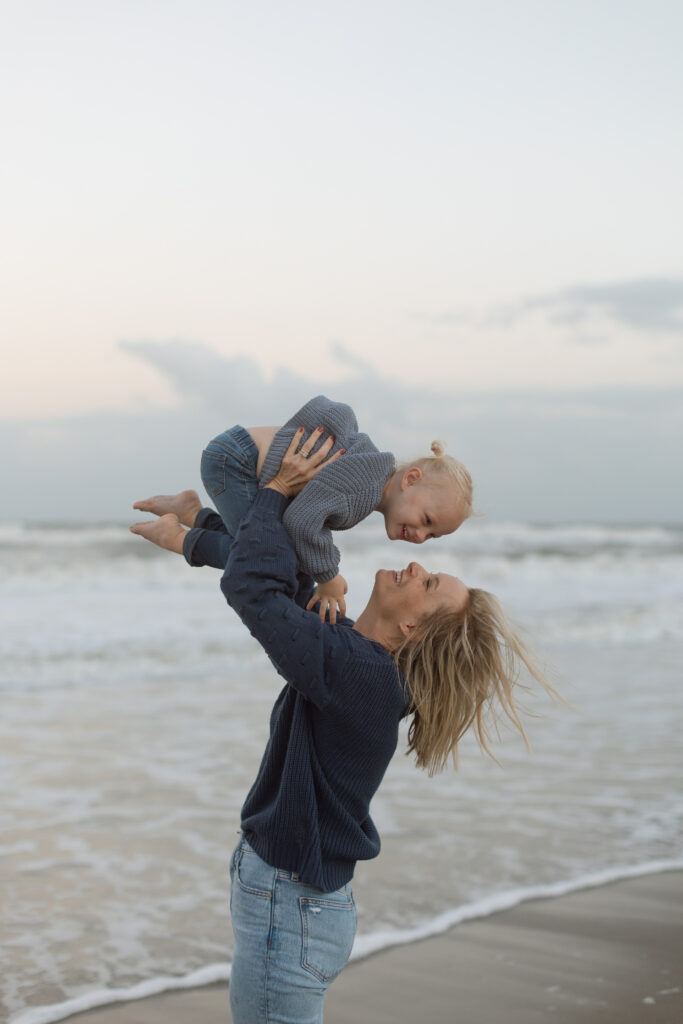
(612, 955)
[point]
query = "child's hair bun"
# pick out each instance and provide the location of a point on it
(437, 448)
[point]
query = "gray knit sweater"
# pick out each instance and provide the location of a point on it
(340, 495)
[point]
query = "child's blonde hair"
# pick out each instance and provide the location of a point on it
(444, 468)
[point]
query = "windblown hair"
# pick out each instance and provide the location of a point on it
(445, 469)
(459, 670)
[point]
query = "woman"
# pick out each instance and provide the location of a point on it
(425, 645)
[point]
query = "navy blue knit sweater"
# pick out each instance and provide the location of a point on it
(333, 728)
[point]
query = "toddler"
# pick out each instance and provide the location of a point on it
(427, 498)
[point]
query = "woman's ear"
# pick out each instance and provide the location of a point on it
(411, 477)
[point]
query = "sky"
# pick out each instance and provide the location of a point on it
(465, 219)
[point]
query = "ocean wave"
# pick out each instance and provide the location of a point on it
(508, 539)
(208, 975)
(365, 945)
(71, 534)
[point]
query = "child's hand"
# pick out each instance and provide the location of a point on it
(330, 595)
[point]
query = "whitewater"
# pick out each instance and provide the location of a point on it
(135, 710)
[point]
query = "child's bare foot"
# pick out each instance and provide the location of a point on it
(166, 532)
(185, 505)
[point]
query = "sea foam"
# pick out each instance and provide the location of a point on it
(364, 945)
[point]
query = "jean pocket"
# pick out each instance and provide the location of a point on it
(213, 473)
(235, 856)
(253, 874)
(328, 928)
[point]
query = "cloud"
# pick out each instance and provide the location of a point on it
(590, 455)
(400, 416)
(360, 366)
(238, 387)
(201, 375)
(645, 304)
(446, 318)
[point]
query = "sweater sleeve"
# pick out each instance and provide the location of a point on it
(307, 520)
(260, 584)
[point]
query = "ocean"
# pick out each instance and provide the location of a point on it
(135, 709)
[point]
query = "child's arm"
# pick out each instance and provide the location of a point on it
(307, 520)
(331, 596)
(339, 498)
(318, 556)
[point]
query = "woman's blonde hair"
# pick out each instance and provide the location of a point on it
(445, 469)
(459, 669)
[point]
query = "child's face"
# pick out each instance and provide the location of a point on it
(417, 508)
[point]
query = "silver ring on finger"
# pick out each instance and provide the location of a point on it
(303, 454)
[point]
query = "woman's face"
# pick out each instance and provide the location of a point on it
(408, 595)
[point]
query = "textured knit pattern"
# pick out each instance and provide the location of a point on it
(333, 728)
(340, 495)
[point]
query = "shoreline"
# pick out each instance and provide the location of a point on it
(598, 937)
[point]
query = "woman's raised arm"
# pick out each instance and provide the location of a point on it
(260, 585)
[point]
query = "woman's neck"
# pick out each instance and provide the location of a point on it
(370, 626)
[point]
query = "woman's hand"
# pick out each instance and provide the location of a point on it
(298, 467)
(330, 595)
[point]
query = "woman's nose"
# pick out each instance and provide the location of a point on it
(415, 568)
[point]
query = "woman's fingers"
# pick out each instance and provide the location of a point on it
(295, 442)
(322, 457)
(324, 449)
(309, 442)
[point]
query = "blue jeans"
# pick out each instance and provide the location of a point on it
(228, 470)
(291, 942)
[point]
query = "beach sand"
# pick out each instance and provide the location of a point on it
(611, 955)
